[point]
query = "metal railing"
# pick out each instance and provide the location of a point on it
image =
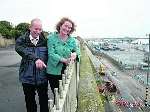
(66, 96)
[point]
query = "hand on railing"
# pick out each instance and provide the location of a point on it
(65, 60)
(73, 57)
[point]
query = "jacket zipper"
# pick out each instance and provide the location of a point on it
(34, 69)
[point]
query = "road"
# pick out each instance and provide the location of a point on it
(11, 94)
(130, 89)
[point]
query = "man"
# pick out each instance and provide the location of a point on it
(32, 48)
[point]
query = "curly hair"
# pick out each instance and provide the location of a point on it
(62, 21)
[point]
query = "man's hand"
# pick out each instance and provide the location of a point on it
(40, 64)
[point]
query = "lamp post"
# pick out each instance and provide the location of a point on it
(146, 93)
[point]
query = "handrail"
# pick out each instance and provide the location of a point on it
(66, 97)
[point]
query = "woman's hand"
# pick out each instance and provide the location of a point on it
(66, 61)
(73, 56)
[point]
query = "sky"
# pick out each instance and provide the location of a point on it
(94, 18)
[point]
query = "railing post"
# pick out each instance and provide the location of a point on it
(69, 71)
(60, 89)
(66, 73)
(63, 81)
(50, 105)
(147, 78)
(56, 98)
(77, 81)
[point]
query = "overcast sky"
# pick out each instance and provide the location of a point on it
(94, 18)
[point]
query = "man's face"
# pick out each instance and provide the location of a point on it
(36, 29)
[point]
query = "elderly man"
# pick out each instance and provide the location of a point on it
(32, 48)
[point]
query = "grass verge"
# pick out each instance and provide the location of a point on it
(89, 98)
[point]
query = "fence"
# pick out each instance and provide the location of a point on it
(66, 97)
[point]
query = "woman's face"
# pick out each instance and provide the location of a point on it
(66, 28)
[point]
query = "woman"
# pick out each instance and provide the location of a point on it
(61, 49)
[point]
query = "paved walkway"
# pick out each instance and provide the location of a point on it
(11, 94)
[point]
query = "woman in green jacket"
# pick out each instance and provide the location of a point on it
(61, 49)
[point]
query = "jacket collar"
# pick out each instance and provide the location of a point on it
(27, 37)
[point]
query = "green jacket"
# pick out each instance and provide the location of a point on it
(57, 49)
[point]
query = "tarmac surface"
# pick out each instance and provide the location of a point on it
(11, 94)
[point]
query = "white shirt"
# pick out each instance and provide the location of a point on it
(34, 40)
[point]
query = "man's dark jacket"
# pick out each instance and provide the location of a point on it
(28, 73)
